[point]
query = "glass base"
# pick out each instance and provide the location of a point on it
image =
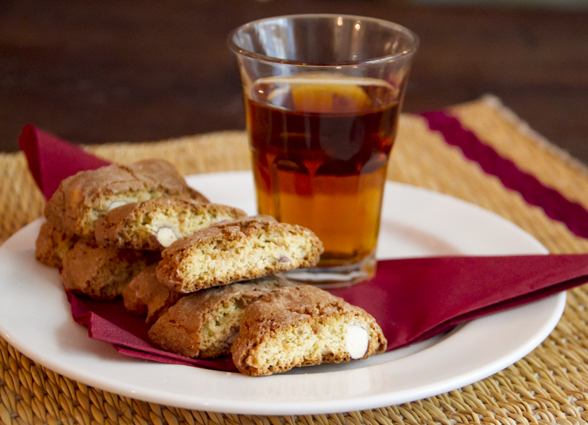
(335, 277)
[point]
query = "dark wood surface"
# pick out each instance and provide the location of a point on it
(106, 70)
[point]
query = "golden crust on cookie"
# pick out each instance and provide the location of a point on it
(157, 223)
(52, 245)
(303, 326)
(83, 198)
(102, 273)
(145, 295)
(237, 250)
(205, 323)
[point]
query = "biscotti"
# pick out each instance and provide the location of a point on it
(52, 245)
(237, 250)
(102, 273)
(83, 198)
(146, 296)
(156, 223)
(303, 326)
(205, 323)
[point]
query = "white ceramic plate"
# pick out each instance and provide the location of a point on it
(35, 319)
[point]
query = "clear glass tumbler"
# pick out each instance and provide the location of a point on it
(322, 96)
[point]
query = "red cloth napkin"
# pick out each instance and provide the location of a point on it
(412, 299)
(51, 160)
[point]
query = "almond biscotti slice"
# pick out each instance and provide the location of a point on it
(303, 326)
(204, 324)
(83, 198)
(146, 296)
(52, 245)
(102, 273)
(157, 223)
(237, 250)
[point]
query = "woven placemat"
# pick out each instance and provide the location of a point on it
(550, 385)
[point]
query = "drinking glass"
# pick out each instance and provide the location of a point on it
(322, 97)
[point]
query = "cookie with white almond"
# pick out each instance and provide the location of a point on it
(237, 250)
(85, 197)
(303, 326)
(156, 223)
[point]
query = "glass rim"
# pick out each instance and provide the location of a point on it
(399, 28)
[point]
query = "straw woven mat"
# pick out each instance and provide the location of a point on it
(550, 385)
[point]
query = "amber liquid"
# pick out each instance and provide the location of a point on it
(320, 149)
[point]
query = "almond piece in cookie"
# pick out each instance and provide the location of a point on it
(237, 250)
(204, 324)
(145, 295)
(303, 326)
(102, 273)
(157, 223)
(52, 245)
(83, 198)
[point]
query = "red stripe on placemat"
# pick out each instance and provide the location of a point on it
(555, 205)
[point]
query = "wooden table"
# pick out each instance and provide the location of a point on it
(101, 71)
